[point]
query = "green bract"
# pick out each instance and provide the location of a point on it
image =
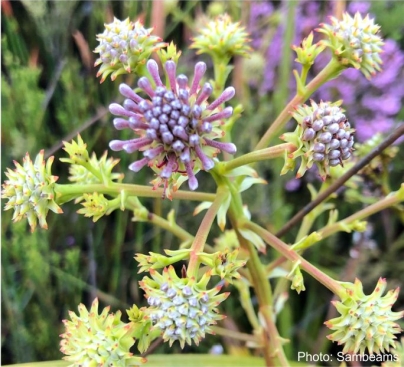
(30, 190)
(366, 322)
(94, 340)
(124, 47)
(355, 42)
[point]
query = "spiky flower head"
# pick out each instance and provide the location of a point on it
(124, 47)
(176, 125)
(222, 39)
(366, 322)
(30, 190)
(182, 308)
(323, 136)
(93, 339)
(355, 42)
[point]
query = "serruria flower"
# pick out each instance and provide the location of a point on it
(30, 190)
(181, 308)
(323, 136)
(176, 126)
(355, 42)
(124, 47)
(366, 322)
(93, 340)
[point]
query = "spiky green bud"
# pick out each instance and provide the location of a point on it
(158, 261)
(124, 47)
(355, 42)
(222, 39)
(94, 340)
(322, 136)
(30, 190)
(94, 205)
(181, 308)
(366, 322)
(307, 52)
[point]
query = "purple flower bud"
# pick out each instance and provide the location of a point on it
(118, 110)
(168, 169)
(167, 137)
(206, 127)
(343, 143)
(226, 95)
(185, 156)
(144, 84)
(204, 94)
(308, 134)
(207, 163)
(334, 162)
(227, 147)
(346, 155)
(317, 125)
(138, 165)
(333, 128)
(151, 134)
(178, 146)
(117, 145)
(182, 81)
(130, 105)
(328, 120)
(171, 69)
(306, 121)
(334, 154)
(341, 134)
(183, 121)
(325, 137)
(127, 92)
(131, 146)
(199, 71)
(226, 113)
(319, 148)
(153, 69)
(180, 132)
(335, 144)
(154, 152)
(318, 157)
(120, 123)
(193, 140)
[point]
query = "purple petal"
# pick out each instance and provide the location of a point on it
(138, 165)
(117, 145)
(226, 113)
(117, 110)
(227, 147)
(200, 69)
(171, 70)
(131, 105)
(207, 163)
(185, 156)
(153, 152)
(154, 72)
(192, 181)
(180, 132)
(227, 94)
(144, 84)
(168, 169)
(136, 144)
(204, 94)
(127, 92)
(120, 123)
(182, 81)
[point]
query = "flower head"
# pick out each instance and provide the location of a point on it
(30, 190)
(323, 136)
(91, 339)
(176, 125)
(124, 46)
(222, 38)
(181, 308)
(365, 321)
(355, 42)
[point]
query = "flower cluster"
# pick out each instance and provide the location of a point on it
(355, 42)
(181, 308)
(366, 321)
(91, 339)
(323, 136)
(124, 47)
(30, 190)
(176, 125)
(222, 38)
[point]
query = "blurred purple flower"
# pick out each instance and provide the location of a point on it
(370, 105)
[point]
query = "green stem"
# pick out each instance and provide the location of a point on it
(292, 256)
(203, 231)
(329, 72)
(71, 191)
(388, 201)
(259, 155)
(246, 303)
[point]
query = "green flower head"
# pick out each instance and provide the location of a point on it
(30, 190)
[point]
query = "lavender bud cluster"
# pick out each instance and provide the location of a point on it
(177, 126)
(330, 133)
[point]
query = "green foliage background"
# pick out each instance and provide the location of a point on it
(50, 93)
